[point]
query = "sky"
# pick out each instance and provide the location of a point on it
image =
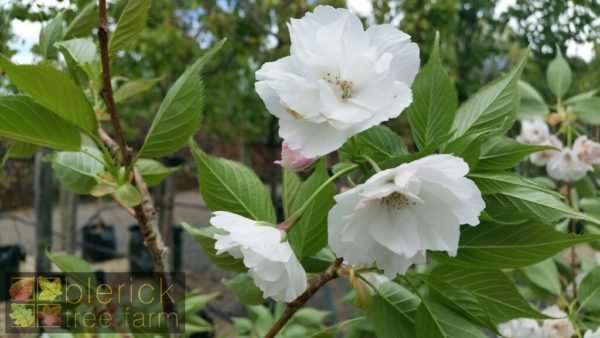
(28, 32)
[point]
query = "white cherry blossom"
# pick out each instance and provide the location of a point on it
(587, 150)
(534, 131)
(592, 334)
(339, 79)
(541, 158)
(557, 328)
(567, 166)
(520, 328)
(398, 214)
(270, 261)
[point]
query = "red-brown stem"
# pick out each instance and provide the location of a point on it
(145, 210)
(329, 274)
(107, 92)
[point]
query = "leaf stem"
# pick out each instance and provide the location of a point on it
(371, 162)
(289, 223)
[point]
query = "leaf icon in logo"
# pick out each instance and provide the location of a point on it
(50, 289)
(21, 289)
(21, 315)
(50, 315)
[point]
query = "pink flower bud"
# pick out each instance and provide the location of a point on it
(292, 159)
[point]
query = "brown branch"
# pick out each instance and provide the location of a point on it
(107, 92)
(329, 274)
(144, 211)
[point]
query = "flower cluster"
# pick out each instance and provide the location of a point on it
(558, 327)
(338, 81)
(563, 164)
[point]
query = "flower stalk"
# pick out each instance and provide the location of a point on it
(289, 223)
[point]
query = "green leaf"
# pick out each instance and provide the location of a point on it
(558, 75)
(457, 298)
(493, 108)
(53, 90)
(378, 142)
(496, 293)
(196, 301)
(204, 237)
(545, 275)
(78, 171)
(503, 153)
(135, 87)
(244, 288)
(83, 24)
(588, 111)
(434, 320)
(131, 23)
(179, 114)
(505, 246)
(289, 189)
(50, 34)
(128, 194)
(81, 56)
(309, 317)
(309, 233)
(392, 312)
(532, 103)
(23, 120)
(19, 150)
(591, 206)
(230, 186)
(82, 51)
(74, 266)
(505, 192)
(434, 101)
(332, 331)
(398, 160)
(153, 171)
(318, 262)
(586, 188)
(468, 147)
(581, 97)
(589, 291)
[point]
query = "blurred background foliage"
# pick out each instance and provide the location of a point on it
(477, 44)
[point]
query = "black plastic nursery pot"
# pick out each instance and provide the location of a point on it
(177, 248)
(11, 257)
(99, 242)
(140, 259)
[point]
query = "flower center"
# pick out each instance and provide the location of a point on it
(344, 86)
(396, 200)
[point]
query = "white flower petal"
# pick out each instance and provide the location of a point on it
(310, 139)
(271, 263)
(339, 80)
(388, 39)
(398, 214)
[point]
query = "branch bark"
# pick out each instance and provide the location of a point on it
(329, 274)
(107, 92)
(145, 211)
